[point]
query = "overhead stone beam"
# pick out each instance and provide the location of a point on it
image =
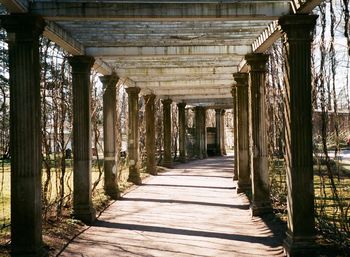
(189, 61)
(185, 83)
(174, 71)
(181, 77)
(188, 92)
(187, 98)
(167, 51)
(210, 10)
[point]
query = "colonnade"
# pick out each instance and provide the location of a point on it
(249, 128)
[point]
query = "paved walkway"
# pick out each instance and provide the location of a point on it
(192, 210)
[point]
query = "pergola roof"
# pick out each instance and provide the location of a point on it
(178, 49)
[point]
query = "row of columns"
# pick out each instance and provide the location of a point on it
(251, 158)
(251, 138)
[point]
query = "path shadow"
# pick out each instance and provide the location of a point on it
(267, 240)
(241, 207)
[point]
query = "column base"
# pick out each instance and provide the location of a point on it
(183, 159)
(300, 246)
(167, 164)
(134, 175)
(112, 192)
(86, 214)
(242, 188)
(152, 171)
(41, 252)
(260, 209)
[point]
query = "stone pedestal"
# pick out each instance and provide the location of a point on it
(298, 117)
(151, 167)
(133, 135)
(244, 182)
(168, 161)
(259, 170)
(218, 132)
(109, 122)
(182, 131)
(82, 201)
(235, 131)
(25, 134)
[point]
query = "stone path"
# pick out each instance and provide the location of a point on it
(192, 210)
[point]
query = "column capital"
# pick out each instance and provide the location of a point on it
(109, 80)
(181, 105)
(149, 98)
(223, 112)
(81, 63)
(218, 111)
(257, 61)
(133, 90)
(298, 27)
(241, 78)
(167, 101)
(22, 26)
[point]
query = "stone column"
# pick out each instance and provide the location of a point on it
(235, 131)
(25, 134)
(167, 132)
(109, 122)
(259, 170)
(218, 131)
(298, 134)
(133, 135)
(204, 132)
(200, 141)
(151, 167)
(244, 183)
(182, 131)
(82, 202)
(222, 134)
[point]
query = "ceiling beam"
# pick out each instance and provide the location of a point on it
(167, 51)
(164, 71)
(201, 84)
(57, 10)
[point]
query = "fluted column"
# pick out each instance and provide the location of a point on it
(182, 131)
(235, 131)
(109, 121)
(25, 134)
(218, 131)
(259, 170)
(151, 167)
(82, 201)
(167, 132)
(222, 134)
(133, 135)
(244, 183)
(298, 134)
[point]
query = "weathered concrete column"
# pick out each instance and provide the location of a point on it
(298, 133)
(151, 167)
(244, 182)
(182, 131)
(235, 131)
(109, 122)
(167, 132)
(218, 132)
(259, 170)
(222, 134)
(200, 145)
(82, 201)
(25, 134)
(133, 135)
